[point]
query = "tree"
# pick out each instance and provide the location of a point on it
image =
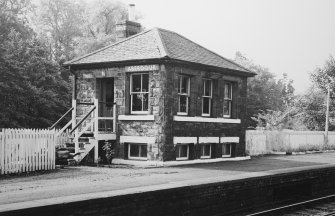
(312, 109)
(34, 91)
(62, 24)
(313, 104)
(99, 29)
(322, 76)
(264, 91)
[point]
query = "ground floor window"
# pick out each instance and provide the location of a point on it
(206, 150)
(226, 150)
(137, 151)
(182, 152)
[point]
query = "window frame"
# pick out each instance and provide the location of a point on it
(205, 96)
(178, 152)
(229, 99)
(139, 153)
(226, 155)
(141, 92)
(187, 94)
(203, 150)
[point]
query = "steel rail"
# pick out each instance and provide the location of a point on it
(294, 205)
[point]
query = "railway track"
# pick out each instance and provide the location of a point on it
(323, 206)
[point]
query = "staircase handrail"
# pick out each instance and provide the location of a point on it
(86, 127)
(61, 118)
(82, 120)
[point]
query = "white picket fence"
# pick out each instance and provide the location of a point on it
(26, 150)
(259, 142)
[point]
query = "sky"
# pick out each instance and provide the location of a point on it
(286, 36)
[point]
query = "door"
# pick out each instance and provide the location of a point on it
(105, 105)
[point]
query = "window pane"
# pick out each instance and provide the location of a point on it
(137, 102)
(136, 79)
(143, 151)
(109, 92)
(145, 102)
(225, 149)
(179, 84)
(227, 91)
(184, 85)
(182, 150)
(207, 87)
(226, 107)
(105, 110)
(145, 82)
(206, 105)
(183, 103)
(105, 125)
(206, 150)
(134, 150)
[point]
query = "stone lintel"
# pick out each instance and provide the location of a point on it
(136, 117)
(202, 119)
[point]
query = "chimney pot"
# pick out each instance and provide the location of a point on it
(131, 12)
(127, 28)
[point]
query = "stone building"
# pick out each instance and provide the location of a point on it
(158, 96)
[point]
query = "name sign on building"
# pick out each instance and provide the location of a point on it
(137, 68)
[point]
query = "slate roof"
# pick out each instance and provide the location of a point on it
(157, 44)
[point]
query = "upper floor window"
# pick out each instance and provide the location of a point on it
(139, 91)
(227, 100)
(207, 97)
(183, 94)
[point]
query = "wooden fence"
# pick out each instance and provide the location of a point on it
(260, 142)
(26, 150)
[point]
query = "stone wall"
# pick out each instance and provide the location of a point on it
(197, 129)
(157, 83)
(163, 105)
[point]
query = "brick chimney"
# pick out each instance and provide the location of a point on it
(127, 28)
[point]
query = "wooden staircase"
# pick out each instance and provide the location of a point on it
(85, 135)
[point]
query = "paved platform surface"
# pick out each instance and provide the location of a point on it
(79, 183)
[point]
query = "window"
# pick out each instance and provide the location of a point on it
(206, 151)
(182, 152)
(227, 100)
(137, 151)
(183, 94)
(139, 91)
(226, 150)
(206, 97)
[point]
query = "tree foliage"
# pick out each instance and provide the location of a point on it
(100, 25)
(264, 91)
(34, 91)
(62, 23)
(313, 104)
(34, 41)
(322, 76)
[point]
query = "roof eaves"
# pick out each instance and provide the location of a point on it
(104, 48)
(117, 63)
(239, 72)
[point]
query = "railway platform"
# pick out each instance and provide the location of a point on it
(222, 188)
